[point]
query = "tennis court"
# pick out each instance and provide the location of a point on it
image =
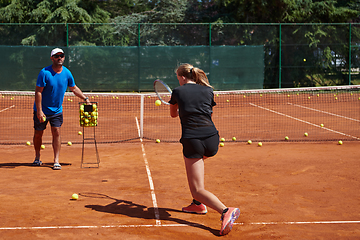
(303, 188)
(284, 191)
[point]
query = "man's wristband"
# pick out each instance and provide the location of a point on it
(86, 98)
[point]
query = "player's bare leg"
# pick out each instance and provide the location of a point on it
(56, 143)
(195, 175)
(37, 140)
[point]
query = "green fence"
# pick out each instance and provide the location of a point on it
(129, 57)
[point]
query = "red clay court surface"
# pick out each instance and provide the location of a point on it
(284, 191)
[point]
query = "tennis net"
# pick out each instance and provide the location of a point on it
(324, 113)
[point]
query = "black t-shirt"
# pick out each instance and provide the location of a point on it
(195, 108)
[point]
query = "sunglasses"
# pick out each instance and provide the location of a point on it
(60, 55)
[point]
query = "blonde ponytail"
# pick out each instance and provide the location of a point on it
(195, 74)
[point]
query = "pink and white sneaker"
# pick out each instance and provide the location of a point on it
(193, 208)
(228, 220)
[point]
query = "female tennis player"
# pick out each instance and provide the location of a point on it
(193, 101)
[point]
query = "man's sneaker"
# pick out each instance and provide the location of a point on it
(37, 162)
(193, 208)
(228, 220)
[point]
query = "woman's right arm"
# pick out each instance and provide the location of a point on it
(174, 110)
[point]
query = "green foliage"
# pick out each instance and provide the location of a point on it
(53, 11)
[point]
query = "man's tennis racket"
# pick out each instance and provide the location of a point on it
(163, 91)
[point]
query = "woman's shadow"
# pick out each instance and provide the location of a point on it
(134, 210)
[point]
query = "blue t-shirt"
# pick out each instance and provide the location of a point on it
(55, 85)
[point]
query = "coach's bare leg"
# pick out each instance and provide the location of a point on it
(37, 140)
(56, 143)
(195, 175)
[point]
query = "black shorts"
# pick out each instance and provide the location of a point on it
(200, 147)
(55, 121)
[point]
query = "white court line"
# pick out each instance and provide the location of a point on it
(333, 114)
(299, 223)
(174, 225)
(297, 119)
(2, 110)
(151, 183)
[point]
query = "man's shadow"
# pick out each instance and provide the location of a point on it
(15, 165)
(134, 210)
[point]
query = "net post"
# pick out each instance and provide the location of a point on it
(141, 116)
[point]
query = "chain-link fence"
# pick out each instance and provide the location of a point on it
(129, 57)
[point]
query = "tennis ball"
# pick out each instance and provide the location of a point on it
(340, 142)
(234, 138)
(80, 133)
(336, 98)
(222, 144)
(28, 143)
(44, 118)
(222, 139)
(157, 140)
(308, 97)
(75, 196)
(304, 59)
(42, 146)
(306, 134)
(249, 142)
(260, 144)
(321, 125)
(157, 102)
(227, 100)
(69, 143)
(286, 138)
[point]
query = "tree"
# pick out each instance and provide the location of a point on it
(288, 11)
(53, 11)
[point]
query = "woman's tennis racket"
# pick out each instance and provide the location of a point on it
(163, 91)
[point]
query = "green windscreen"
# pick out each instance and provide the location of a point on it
(127, 69)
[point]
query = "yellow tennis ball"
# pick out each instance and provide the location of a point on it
(69, 143)
(260, 144)
(157, 102)
(286, 138)
(75, 196)
(234, 138)
(44, 118)
(340, 142)
(157, 140)
(28, 143)
(80, 133)
(249, 142)
(306, 134)
(222, 144)
(42, 146)
(321, 125)
(222, 139)
(304, 60)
